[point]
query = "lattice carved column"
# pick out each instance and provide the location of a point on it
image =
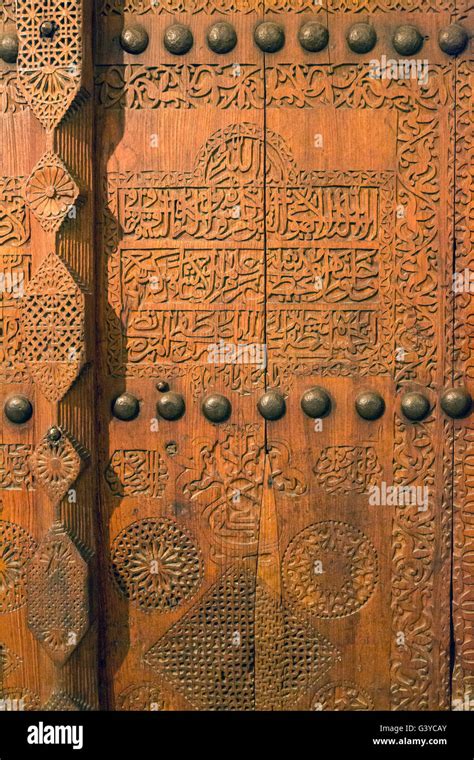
(54, 134)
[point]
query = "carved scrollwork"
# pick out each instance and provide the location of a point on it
(16, 549)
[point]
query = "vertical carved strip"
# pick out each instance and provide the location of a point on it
(54, 68)
(463, 514)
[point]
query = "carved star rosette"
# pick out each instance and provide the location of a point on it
(52, 328)
(50, 192)
(57, 594)
(57, 462)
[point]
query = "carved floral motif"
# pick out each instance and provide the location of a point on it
(50, 192)
(330, 569)
(156, 564)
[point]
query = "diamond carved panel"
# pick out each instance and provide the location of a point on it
(49, 66)
(52, 323)
(57, 462)
(57, 594)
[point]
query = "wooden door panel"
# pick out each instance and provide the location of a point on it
(183, 284)
(358, 278)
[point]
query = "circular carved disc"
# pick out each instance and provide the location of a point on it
(330, 569)
(156, 564)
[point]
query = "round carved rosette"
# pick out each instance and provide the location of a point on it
(330, 569)
(156, 564)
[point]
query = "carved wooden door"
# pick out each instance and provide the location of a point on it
(236, 458)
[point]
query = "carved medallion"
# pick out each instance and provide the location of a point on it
(58, 597)
(16, 549)
(49, 65)
(342, 696)
(50, 192)
(52, 328)
(156, 564)
(57, 463)
(330, 569)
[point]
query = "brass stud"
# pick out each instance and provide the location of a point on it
(125, 407)
(48, 29)
(178, 39)
(54, 434)
(407, 40)
(171, 406)
(370, 405)
(415, 406)
(162, 386)
(453, 39)
(221, 37)
(216, 407)
(313, 37)
(134, 39)
(269, 37)
(271, 405)
(316, 402)
(361, 37)
(9, 47)
(18, 409)
(456, 402)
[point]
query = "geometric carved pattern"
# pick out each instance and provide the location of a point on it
(60, 701)
(58, 609)
(347, 469)
(342, 696)
(156, 564)
(330, 569)
(218, 635)
(50, 192)
(56, 464)
(49, 69)
(52, 328)
(16, 548)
